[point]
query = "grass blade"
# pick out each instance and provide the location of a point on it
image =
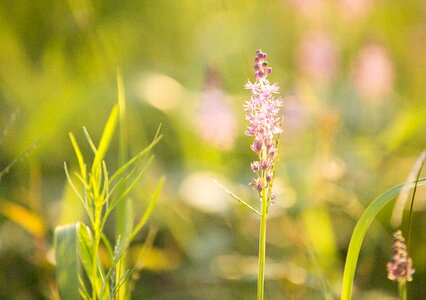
(79, 155)
(90, 141)
(360, 231)
(149, 209)
(106, 138)
(67, 262)
(85, 247)
(134, 159)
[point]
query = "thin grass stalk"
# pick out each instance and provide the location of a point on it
(262, 248)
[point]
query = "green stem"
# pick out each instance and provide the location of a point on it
(402, 287)
(97, 238)
(262, 247)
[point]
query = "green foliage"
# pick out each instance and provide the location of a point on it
(340, 148)
(100, 196)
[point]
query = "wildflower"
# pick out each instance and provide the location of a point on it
(400, 268)
(374, 73)
(216, 120)
(262, 112)
(318, 57)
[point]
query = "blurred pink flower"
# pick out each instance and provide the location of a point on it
(373, 74)
(355, 9)
(296, 115)
(308, 8)
(217, 124)
(318, 57)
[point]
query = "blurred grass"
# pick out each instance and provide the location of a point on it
(341, 147)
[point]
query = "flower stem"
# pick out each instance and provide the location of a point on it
(402, 287)
(262, 248)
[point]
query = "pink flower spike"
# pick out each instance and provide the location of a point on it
(400, 268)
(263, 114)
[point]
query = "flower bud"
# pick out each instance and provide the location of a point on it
(255, 166)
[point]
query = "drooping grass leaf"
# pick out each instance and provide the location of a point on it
(24, 217)
(360, 231)
(67, 261)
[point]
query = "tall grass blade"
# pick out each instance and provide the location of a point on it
(124, 219)
(360, 231)
(67, 262)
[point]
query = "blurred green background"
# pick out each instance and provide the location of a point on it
(352, 76)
